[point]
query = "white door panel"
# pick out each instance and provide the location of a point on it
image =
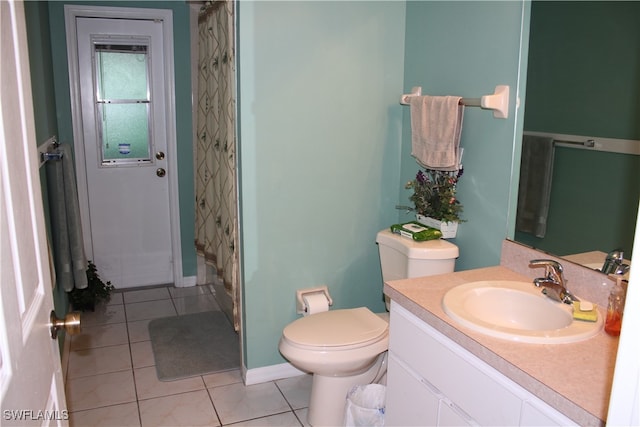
(129, 211)
(31, 385)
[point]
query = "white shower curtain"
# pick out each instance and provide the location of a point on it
(215, 182)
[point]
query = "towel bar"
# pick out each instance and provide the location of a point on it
(44, 157)
(590, 143)
(498, 101)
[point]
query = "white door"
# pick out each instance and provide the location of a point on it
(31, 385)
(121, 71)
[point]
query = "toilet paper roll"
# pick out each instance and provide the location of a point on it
(315, 303)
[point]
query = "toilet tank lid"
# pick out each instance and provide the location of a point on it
(430, 249)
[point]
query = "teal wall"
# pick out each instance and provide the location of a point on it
(466, 49)
(583, 79)
(320, 135)
(182, 59)
(325, 145)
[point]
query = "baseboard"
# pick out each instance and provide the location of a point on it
(186, 282)
(270, 373)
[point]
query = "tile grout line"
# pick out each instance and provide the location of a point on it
(292, 410)
(133, 373)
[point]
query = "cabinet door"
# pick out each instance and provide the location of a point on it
(410, 402)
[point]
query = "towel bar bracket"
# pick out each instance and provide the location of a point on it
(49, 150)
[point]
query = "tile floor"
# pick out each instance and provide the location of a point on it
(111, 378)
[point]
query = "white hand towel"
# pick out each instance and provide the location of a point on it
(436, 124)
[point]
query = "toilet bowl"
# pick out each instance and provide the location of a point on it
(348, 347)
(342, 348)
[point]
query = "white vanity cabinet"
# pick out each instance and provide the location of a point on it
(433, 381)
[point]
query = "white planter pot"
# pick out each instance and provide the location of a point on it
(448, 229)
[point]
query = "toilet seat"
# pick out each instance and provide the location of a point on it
(337, 329)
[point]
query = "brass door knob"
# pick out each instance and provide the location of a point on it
(70, 323)
(161, 172)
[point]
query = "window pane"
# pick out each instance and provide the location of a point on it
(125, 131)
(122, 72)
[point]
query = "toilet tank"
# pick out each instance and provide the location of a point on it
(403, 258)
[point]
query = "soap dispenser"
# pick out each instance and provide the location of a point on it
(615, 308)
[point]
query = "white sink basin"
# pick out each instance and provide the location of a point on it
(516, 311)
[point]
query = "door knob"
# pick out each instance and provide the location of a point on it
(161, 172)
(70, 323)
(160, 155)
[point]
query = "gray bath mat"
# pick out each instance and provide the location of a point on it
(193, 344)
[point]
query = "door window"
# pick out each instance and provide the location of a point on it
(123, 103)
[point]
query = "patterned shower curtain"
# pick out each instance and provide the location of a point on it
(215, 181)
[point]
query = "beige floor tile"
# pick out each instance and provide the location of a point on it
(189, 291)
(125, 415)
(101, 360)
(302, 415)
(97, 398)
(142, 354)
(150, 310)
(100, 336)
(116, 299)
(100, 390)
(104, 314)
(222, 378)
(196, 304)
(148, 386)
(237, 402)
(138, 330)
(185, 409)
(296, 390)
(287, 419)
(146, 295)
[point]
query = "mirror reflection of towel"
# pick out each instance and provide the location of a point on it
(534, 193)
(436, 124)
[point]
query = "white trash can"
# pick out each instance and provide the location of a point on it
(365, 406)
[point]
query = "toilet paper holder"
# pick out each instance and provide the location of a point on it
(300, 293)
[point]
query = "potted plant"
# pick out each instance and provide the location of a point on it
(435, 202)
(96, 291)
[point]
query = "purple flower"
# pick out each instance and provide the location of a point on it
(421, 178)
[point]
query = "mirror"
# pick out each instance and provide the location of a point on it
(583, 78)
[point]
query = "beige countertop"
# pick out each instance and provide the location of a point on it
(573, 378)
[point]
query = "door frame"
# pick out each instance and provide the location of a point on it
(71, 12)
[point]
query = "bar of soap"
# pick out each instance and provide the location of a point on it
(586, 306)
(585, 311)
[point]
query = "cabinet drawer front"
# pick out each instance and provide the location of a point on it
(411, 403)
(449, 368)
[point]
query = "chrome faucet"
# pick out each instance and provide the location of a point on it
(613, 261)
(554, 284)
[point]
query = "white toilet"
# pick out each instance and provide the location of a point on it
(347, 347)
